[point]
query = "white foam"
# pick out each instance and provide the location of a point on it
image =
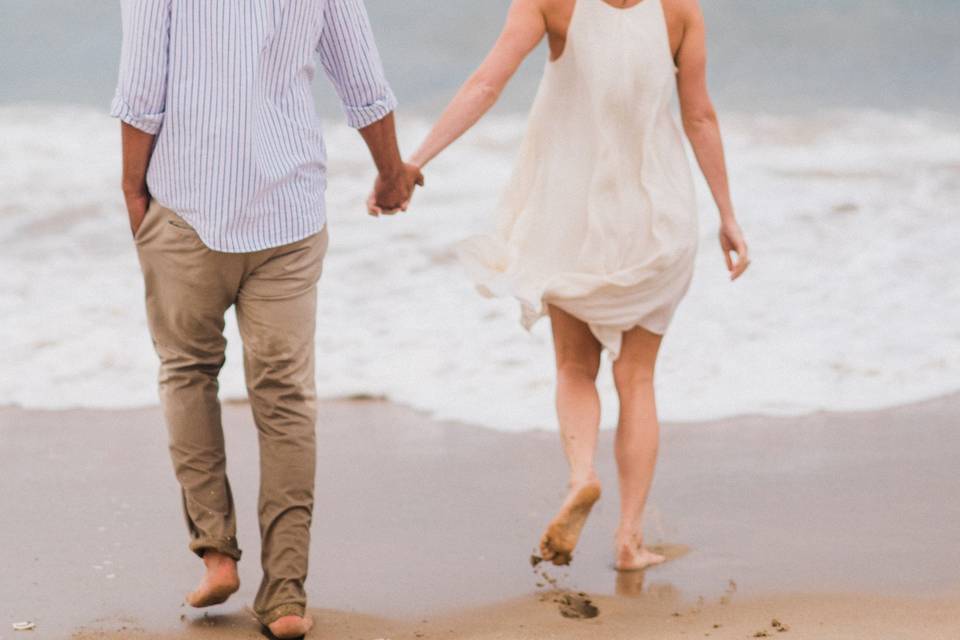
(852, 301)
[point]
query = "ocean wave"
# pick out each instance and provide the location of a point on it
(852, 301)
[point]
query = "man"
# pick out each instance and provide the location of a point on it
(224, 177)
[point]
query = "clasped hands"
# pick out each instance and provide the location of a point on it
(393, 190)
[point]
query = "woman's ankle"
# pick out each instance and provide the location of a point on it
(584, 478)
(628, 536)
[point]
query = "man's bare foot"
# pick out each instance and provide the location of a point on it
(633, 556)
(220, 582)
(563, 532)
(291, 627)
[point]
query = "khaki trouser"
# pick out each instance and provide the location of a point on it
(189, 288)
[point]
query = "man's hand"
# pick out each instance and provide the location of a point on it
(392, 193)
(138, 201)
(395, 180)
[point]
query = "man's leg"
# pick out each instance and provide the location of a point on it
(276, 310)
(188, 290)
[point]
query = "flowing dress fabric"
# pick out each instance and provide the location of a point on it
(599, 217)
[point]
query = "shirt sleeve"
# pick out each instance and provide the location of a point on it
(349, 55)
(141, 94)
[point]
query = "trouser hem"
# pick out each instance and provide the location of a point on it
(281, 611)
(226, 546)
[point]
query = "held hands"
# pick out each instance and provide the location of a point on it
(732, 242)
(393, 192)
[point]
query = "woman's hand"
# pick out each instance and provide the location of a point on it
(732, 242)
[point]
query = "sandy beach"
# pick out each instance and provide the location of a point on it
(829, 525)
(807, 485)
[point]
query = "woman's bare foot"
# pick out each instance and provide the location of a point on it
(291, 627)
(563, 532)
(633, 556)
(220, 582)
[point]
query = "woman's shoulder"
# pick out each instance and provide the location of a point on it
(684, 9)
(680, 15)
(546, 8)
(558, 12)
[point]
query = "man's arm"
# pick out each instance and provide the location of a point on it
(350, 58)
(141, 96)
(137, 149)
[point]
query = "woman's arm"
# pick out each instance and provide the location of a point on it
(525, 28)
(702, 128)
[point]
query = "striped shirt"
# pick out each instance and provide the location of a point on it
(225, 86)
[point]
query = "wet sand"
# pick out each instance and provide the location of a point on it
(837, 525)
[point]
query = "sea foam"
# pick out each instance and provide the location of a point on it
(852, 301)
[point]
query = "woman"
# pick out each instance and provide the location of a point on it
(598, 226)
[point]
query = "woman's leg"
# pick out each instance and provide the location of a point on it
(578, 411)
(638, 436)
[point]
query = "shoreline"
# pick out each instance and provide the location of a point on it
(430, 415)
(419, 519)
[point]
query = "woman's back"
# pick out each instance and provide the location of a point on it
(559, 13)
(599, 217)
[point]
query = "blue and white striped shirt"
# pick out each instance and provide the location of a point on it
(226, 88)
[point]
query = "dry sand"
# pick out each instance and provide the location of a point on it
(836, 525)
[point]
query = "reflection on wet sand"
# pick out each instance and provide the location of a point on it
(630, 583)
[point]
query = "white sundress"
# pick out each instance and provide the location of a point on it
(599, 217)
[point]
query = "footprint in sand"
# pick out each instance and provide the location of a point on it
(576, 605)
(570, 604)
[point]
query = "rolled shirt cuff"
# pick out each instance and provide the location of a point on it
(360, 117)
(146, 122)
